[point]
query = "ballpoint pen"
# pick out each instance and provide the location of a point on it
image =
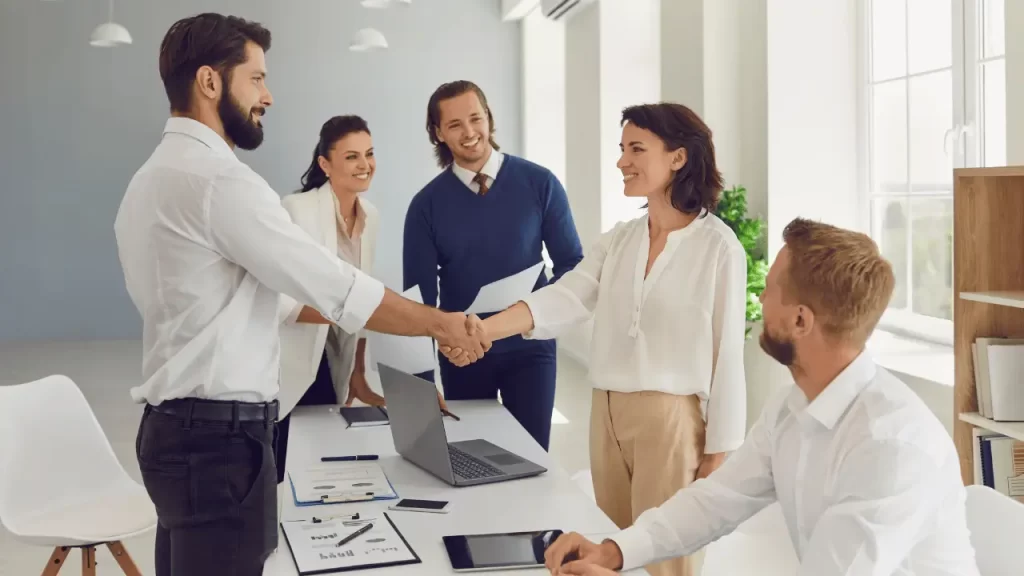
(354, 535)
(450, 415)
(360, 457)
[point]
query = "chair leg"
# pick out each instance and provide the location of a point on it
(89, 561)
(56, 561)
(124, 559)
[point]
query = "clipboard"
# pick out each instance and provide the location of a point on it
(340, 482)
(314, 552)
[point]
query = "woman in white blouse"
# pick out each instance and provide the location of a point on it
(667, 292)
(320, 363)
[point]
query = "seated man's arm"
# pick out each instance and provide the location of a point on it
(707, 509)
(887, 494)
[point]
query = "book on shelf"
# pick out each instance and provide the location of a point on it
(999, 378)
(999, 463)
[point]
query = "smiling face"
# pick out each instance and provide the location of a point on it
(350, 164)
(464, 128)
(647, 167)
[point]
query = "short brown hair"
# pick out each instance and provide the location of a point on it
(447, 92)
(840, 275)
(698, 184)
(204, 40)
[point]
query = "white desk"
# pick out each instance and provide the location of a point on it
(545, 502)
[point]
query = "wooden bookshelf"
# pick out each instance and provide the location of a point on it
(988, 265)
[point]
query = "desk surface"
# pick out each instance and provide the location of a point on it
(549, 501)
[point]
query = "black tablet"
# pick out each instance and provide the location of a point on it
(481, 552)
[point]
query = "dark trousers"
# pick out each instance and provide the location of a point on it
(320, 392)
(525, 378)
(213, 487)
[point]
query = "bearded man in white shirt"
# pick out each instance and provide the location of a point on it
(867, 478)
(207, 250)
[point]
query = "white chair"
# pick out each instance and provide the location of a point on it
(996, 522)
(61, 484)
(760, 546)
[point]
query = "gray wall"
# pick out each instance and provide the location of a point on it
(77, 121)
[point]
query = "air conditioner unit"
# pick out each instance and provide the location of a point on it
(563, 9)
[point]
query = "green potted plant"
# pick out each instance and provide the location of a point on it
(732, 209)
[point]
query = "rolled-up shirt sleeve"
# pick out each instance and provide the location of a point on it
(727, 401)
(248, 225)
(572, 299)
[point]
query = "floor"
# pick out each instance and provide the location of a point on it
(106, 370)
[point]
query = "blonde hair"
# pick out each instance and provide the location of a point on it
(840, 275)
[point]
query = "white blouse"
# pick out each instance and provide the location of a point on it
(679, 331)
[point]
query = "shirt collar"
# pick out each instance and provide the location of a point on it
(490, 168)
(357, 228)
(199, 131)
(830, 405)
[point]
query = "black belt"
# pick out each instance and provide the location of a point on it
(191, 409)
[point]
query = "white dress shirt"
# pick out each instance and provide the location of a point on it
(490, 170)
(680, 330)
(206, 248)
(867, 478)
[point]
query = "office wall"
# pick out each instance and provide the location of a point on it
(77, 121)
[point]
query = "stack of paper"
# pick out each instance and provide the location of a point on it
(999, 378)
(334, 482)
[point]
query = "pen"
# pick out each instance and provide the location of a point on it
(450, 415)
(349, 458)
(354, 535)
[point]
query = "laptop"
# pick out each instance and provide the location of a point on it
(418, 430)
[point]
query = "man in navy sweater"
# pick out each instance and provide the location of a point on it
(482, 219)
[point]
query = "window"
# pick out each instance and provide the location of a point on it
(935, 100)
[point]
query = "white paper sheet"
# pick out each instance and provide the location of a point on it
(411, 354)
(501, 294)
(341, 481)
(315, 547)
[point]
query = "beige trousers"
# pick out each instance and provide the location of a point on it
(644, 447)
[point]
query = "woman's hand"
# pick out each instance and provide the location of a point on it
(359, 389)
(710, 463)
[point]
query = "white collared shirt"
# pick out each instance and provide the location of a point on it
(490, 169)
(206, 248)
(867, 477)
(680, 330)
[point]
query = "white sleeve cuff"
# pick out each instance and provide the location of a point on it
(363, 299)
(543, 305)
(714, 445)
(636, 547)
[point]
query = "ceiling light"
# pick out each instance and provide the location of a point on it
(368, 39)
(110, 34)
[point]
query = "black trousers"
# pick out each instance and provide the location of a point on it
(320, 392)
(215, 495)
(525, 378)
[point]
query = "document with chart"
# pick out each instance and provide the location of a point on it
(316, 550)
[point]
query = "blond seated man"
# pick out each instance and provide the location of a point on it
(867, 477)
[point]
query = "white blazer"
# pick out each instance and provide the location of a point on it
(302, 345)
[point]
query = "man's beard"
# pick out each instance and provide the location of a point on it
(239, 127)
(781, 350)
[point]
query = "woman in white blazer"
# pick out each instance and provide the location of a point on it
(320, 363)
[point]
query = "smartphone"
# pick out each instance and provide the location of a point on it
(410, 505)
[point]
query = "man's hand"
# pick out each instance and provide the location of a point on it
(459, 356)
(359, 389)
(710, 463)
(441, 402)
(583, 552)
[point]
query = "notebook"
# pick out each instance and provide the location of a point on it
(314, 545)
(359, 416)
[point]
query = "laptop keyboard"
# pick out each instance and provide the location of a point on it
(469, 467)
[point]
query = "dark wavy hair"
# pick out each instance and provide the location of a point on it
(333, 130)
(447, 92)
(698, 184)
(206, 39)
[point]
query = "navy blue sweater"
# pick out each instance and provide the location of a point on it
(468, 240)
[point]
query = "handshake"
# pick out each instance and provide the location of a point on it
(462, 339)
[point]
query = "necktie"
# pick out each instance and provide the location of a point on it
(481, 179)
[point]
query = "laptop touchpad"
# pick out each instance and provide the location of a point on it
(505, 459)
